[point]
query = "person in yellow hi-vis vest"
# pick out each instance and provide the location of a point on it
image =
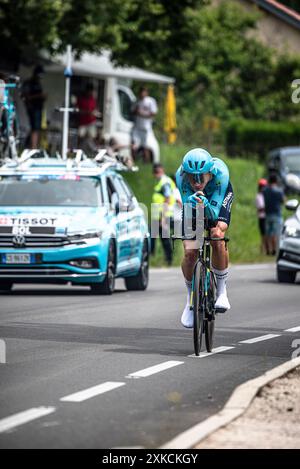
(162, 212)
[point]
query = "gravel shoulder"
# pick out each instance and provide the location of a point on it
(272, 420)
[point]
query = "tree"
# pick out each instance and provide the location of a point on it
(26, 27)
(92, 25)
(230, 74)
(158, 32)
(133, 29)
(221, 69)
(29, 26)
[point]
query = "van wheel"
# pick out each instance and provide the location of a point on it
(6, 286)
(108, 285)
(286, 276)
(140, 281)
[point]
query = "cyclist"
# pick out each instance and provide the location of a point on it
(204, 180)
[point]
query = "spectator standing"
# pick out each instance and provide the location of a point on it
(274, 198)
(143, 110)
(162, 211)
(35, 98)
(261, 213)
(88, 113)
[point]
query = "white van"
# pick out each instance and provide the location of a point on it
(114, 94)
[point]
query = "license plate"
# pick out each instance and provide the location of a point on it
(18, 258)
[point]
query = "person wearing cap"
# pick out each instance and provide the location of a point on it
(204, 180)
(261, 213)
(34, 98)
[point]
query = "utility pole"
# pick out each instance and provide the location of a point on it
(66, 110)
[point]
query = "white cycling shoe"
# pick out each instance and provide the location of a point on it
(222, 304)
(187, 318)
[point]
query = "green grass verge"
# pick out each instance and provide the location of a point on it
(244, 243)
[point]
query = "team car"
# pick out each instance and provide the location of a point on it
(288, 260)
(70, 221)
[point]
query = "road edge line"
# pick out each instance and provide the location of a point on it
(236, 405)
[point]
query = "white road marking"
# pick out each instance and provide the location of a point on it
(214, 351)
(154, 369)
(92, 392)
(24, 417)
(293, 329)
(259, 339)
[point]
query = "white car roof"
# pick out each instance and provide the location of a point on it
(38, 162)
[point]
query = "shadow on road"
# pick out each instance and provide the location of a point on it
(145, 340)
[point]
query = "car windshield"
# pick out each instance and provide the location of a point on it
(48, 191)
(292, 163)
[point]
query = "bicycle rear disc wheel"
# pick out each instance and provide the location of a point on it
(198, 307)
(209, 326)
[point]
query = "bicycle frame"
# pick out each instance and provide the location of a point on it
(204, 255)
(202, 298)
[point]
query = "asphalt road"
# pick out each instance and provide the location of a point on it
(62, 340)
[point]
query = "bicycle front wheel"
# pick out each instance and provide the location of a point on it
(198, 306)
(209, 326)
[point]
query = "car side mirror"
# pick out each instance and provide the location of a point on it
(292, 204)
(123, 204)
(131, 205)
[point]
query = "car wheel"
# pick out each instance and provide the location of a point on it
(6, 286)
(108, 285)
(286, 276)
(140, 281)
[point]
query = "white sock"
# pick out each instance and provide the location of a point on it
(188, 284)
(221, 277)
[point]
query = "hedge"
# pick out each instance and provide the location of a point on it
(247, 138)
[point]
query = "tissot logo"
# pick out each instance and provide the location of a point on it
(19, 241)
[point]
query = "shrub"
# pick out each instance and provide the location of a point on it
(247, 138)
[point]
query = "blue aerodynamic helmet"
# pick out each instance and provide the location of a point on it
(198, 161)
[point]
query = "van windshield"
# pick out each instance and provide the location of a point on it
(292, 163)
(50, 191)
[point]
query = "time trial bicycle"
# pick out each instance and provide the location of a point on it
(203, 296)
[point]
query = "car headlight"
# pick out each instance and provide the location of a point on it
(293, 181)
(291, 232)
(74, 238)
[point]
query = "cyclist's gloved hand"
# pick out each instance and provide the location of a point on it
(196, 199)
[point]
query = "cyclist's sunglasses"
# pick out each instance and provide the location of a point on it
(198, 178)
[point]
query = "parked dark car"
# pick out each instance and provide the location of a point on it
(288, 260)
(285, 163)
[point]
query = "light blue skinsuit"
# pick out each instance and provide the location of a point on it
(214, 191)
